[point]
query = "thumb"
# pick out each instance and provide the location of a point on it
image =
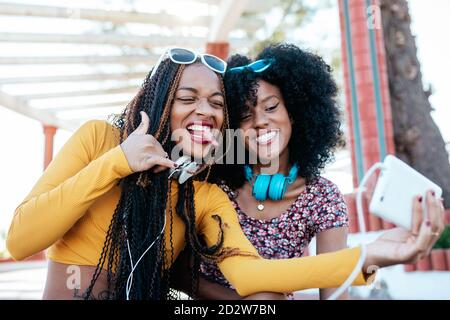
(143, 126)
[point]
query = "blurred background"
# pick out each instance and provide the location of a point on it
(65, 62)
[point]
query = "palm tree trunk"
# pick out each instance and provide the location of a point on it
(418, 140)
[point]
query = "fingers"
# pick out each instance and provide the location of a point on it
(432, 227)
(423, 240)
(417, 216)
(435, 216)
(158, 169)
(157, 147)
(154, 160)
(144, 125)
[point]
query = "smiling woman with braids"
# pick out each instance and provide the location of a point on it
(103, 203)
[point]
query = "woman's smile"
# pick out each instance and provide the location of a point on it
(200, 131)
(264, 139)
(198, 111)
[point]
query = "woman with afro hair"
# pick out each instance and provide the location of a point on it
(284, 105)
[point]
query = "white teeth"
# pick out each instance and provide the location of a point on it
(196, 127)
(266, 137)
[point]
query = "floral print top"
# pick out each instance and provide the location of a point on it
(319, 207)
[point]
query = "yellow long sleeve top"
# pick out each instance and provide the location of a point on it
(71, 206)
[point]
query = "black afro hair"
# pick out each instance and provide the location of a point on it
(309, 92)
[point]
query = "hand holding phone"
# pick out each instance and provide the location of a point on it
(401, 245)
(396, 188)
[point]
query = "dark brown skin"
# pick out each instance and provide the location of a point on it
(203, 101)
(270, 113)
(58, 275)
(198, 98)
(395, 246)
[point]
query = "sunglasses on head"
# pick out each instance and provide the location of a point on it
(186, 56)
(257, 66)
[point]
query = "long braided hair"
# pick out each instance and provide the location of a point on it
(145, 198)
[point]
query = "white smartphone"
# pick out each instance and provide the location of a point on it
(396, 187)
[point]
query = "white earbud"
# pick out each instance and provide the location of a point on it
(185, 170)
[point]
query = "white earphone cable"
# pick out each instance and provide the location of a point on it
(362, 228)
(133, 267)
(340, 290)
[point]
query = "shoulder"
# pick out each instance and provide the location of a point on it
(211, 198)
(209, 191)
(94, 125)
(98, 129)
(325, 194)
(331, 209)
(322, 187)
(97, 137)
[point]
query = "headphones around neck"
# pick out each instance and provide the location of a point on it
(268, 185)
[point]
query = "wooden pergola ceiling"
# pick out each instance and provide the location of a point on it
(111, 76)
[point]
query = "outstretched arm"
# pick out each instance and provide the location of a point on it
(330, 241)
(249, 273)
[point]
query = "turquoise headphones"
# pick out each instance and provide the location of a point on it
(272, 185)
